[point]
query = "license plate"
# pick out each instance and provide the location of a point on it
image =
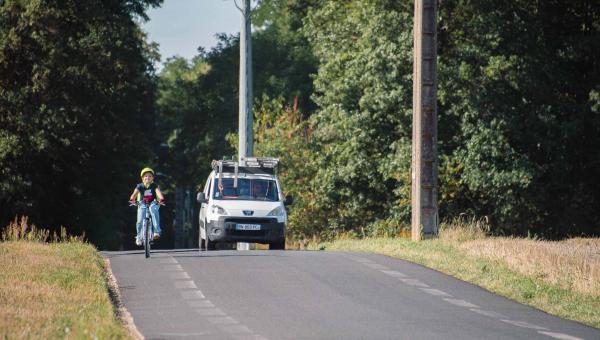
(247, 226)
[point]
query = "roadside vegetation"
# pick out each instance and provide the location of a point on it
(518, 127)
(518, 114)
(559, 277)
(53, 286)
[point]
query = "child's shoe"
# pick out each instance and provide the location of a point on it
(138, 241)
(156, 236)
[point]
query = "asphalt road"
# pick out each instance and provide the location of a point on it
(184, 294)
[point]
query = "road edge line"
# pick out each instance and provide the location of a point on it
(119, 308)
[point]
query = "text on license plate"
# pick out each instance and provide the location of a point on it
(240, 226)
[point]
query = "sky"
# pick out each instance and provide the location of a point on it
(181, 26)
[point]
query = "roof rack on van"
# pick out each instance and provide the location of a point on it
(249, 165)
(269, 164)
(261, 162)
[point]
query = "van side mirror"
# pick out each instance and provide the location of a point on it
(201, 198)
(289, 199)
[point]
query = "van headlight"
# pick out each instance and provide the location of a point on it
(279, 211)
(217, 210)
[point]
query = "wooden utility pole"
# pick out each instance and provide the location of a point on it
(424, 144)
(245, 131)
(246, 118)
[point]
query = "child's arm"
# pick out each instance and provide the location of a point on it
(161, 198)
(134, 195)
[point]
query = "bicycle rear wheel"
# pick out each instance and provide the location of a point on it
(147, 237)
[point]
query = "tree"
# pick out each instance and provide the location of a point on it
(198, 99)
(284, 60)
(283, 132)
(363, 91)
(76, 112)
(516, 80)
(518, 110)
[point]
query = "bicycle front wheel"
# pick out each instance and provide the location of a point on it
(147, 237)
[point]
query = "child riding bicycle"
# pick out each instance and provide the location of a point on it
(149, 193)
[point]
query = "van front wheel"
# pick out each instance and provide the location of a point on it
(201, 243)
(279, 245)
(208, 244)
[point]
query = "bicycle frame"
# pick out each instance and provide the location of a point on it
(147, 227)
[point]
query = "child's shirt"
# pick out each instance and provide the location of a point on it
(147, 194)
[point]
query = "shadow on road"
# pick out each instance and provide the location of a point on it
(194, 253)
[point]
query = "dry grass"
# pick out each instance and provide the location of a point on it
(21, 230)
(52, 290)
(572, 264)
(462, 229)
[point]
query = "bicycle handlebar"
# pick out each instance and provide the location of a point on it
(138, 203)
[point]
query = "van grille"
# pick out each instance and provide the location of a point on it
(250, 220)
(253, 233)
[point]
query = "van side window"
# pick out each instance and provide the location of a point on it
(207, 187)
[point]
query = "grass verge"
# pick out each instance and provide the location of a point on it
(53, 290)
(560, 278)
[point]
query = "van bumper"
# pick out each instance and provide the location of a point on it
(226, 229)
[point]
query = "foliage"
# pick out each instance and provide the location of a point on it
(518, 117)
(198, 99)
(76, 104)
(517, 125)
(282, 132)
(518, 112)
(283, 59)
(363, 90)
(184, 118)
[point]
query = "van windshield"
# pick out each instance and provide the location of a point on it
(247, 189)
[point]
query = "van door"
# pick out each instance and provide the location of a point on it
(204, 206)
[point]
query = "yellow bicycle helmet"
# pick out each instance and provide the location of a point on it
(144, 170)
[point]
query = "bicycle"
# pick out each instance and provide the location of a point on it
(146, 221)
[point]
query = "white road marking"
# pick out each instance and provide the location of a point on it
(210, 312)
(376, 266)
(184, 284)
(523, 324)
(205, 308)
(235, 328)
(393, 273)
(414, 282)
(363, 260)
(561, 336)
(173, 267)
(200, 303)
(460, 303)
(447, 297)
(244, 336)
(167, 260)
(435, 292)
(192, 294)
(179, 275)
(487, 313)
(184, 335)
(222, 320)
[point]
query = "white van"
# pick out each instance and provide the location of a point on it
(243, 203)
